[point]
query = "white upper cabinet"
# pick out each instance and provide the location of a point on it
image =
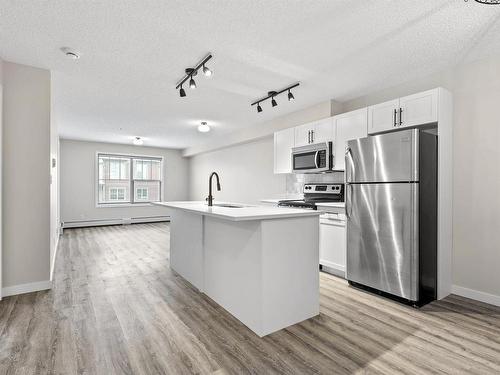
(314, 132)
(350, 125)
(383, 116)
(418, 109)
(323, 131)
(303, 134)
(408, 111)
(284, 140)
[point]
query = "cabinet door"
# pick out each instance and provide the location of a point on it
(303, 134)
(383, 117)
(351, 125)
(332, 245)
(323, 131)
(419, 109)
(283, 143)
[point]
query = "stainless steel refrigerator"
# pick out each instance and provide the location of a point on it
(391, 210)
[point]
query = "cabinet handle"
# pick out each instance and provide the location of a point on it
(400, 116)
(394, 117)
(312, 136)
(309, 136)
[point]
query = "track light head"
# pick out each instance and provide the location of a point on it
(259, 108)
(207, 72)
(273, 102)
(192, 83)
(290, 96)
(182, 92)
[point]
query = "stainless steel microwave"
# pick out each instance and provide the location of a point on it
(313, 158)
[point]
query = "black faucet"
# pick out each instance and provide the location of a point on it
(210, 198)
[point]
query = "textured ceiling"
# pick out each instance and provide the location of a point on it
(133, 52)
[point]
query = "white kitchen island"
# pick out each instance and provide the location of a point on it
(259, 263)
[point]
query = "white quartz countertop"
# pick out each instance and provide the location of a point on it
(245, 212)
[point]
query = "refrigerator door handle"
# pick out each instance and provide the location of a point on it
(348, 155)
(348, 202)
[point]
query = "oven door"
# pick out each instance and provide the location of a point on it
(312, 158)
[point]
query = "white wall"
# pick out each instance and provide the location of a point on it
(26, 178)
(476, 172)
(78, 179)
(246, 173)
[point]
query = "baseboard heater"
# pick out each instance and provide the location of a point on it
(120, 221)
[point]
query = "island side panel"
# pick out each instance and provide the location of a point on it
(233, 268)
(186, 246)
(290, 274)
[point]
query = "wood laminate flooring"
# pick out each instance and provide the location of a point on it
(117, 308)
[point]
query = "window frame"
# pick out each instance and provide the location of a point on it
(131, 157)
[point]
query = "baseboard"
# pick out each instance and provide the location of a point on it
(26, 288)
(492, 299)
(121, 221)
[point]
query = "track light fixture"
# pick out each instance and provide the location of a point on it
(192, 72)
(273, 94)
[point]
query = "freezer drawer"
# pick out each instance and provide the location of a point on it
(382, 237)
(390, 157)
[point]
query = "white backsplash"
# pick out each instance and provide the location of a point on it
(294, 182)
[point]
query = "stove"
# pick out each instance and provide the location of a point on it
(316, 193)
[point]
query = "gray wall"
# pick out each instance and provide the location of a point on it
(26, 174)
(77, 178)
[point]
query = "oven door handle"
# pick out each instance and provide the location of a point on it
(316, 159)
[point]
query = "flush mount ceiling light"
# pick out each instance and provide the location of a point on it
(272, 95)
(192, 72)
(203, 127)
(138, 141)
(70, 53)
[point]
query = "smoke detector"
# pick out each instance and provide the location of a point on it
(70, 53)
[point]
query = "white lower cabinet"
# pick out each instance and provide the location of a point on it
(332, 243)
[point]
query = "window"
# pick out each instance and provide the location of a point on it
(117, 194)
(141, 194)
(120, 175)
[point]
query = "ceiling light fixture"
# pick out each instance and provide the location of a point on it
(203, 128)
(138, 141)
(192, 72)
(273, 94)
(70, 53)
